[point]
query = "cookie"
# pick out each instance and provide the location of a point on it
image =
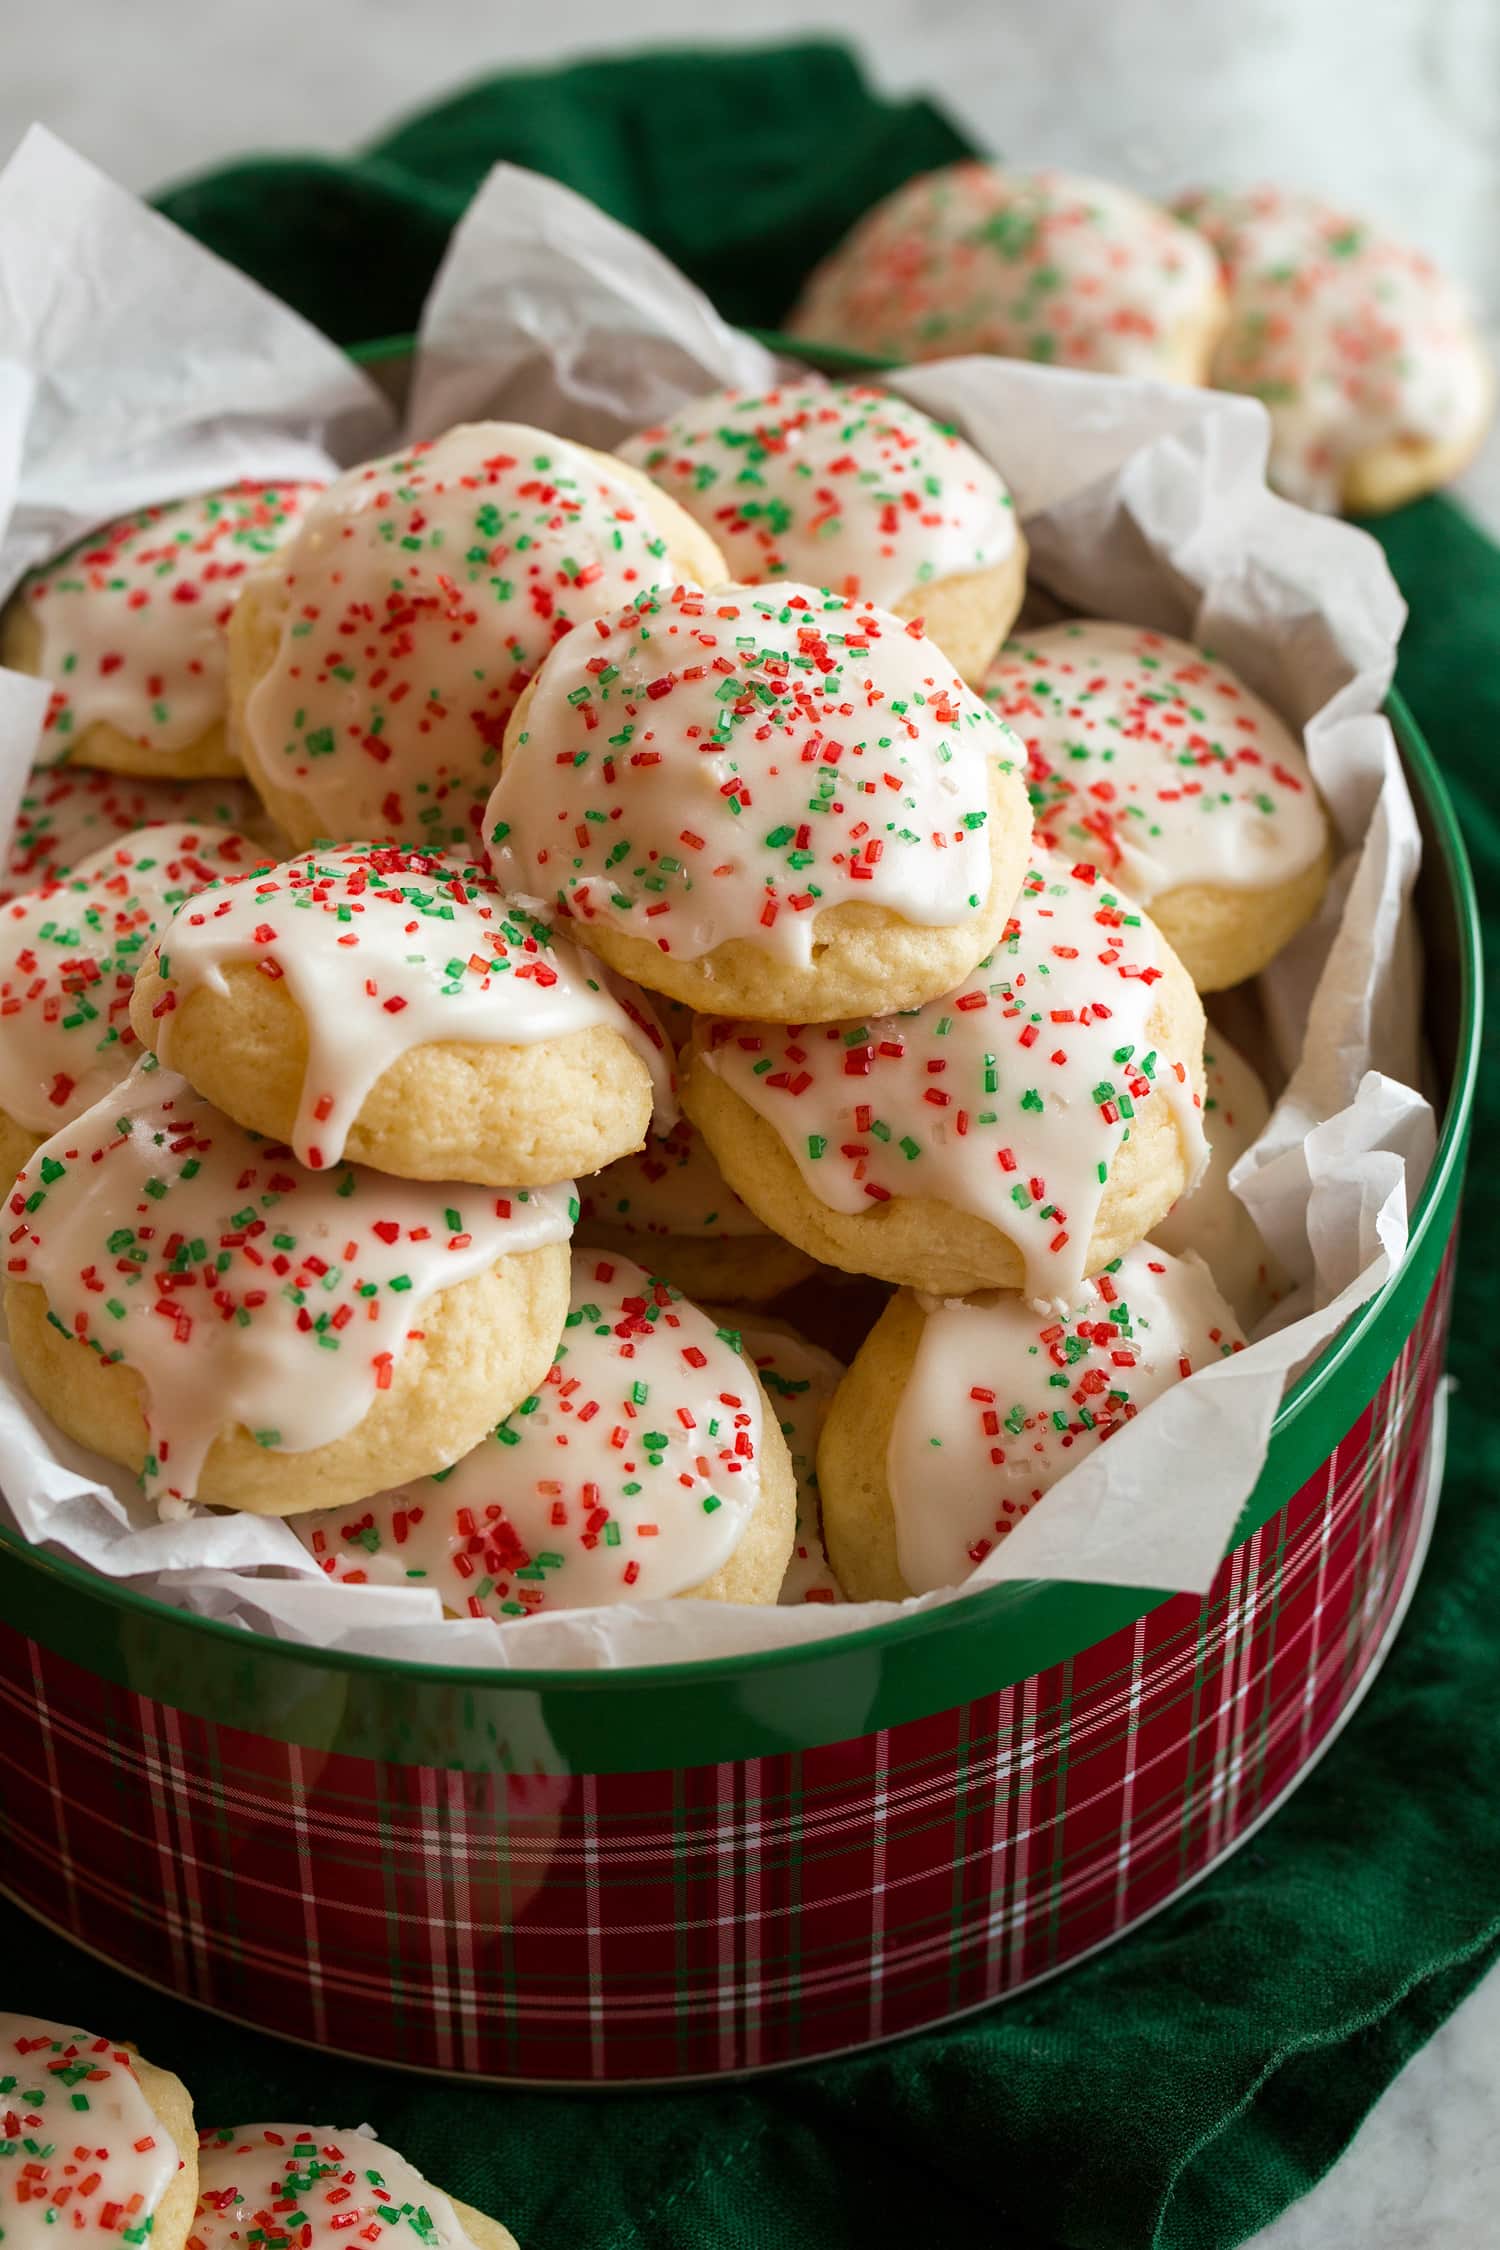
(1018, 1133)
(845, 486)
(764, 803)
(1154, 762)
(93, 2140)
(128, 626)
(396, 1008)
(957, 1418)
(1367, 358)
(69, 953)
(799, 1379)
(190, 1302)
(1209, 1219)
(312, 2187)
(1049, 266)
(68, 812)
(669, 1206)
(373, 671)
(647, 1466)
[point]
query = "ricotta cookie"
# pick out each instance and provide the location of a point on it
(128, 626)
(1048, 266)
(67, 812)
(95, 2142)
(69, 954)
(646, 1466)
(308, 2187)
(845, 486)
(373, 670)
(1209, 1219)
(190, 1302)
(395, 1007)
(1367, 358)
(1155, 763)
(1019, 1133)
(764, 803)
(670, 1206)
(957, 1418)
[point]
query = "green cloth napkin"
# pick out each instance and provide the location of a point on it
(1183, 2087)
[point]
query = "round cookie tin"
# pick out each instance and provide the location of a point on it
(677, 1872)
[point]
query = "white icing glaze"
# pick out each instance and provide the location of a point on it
(68, 959)
(385, 949)
(670, 1186)
(1008, 1098)
(315, 2187)
(1210, 1219)
(1045, 265)
(132, 617)
(1001, 1400)
(839, 485)
(1154, 761)
(424, 590)
(241, 1288)
(699, 767)
(799, 1379)
(66, 811)
(82, 2152)
(630, 1476)
(1351, 340)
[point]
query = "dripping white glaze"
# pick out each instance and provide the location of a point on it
(315, 2187)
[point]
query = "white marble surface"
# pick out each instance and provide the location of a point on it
(1391, 105)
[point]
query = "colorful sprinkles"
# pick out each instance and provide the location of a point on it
(799, 1379)
(312, 2187)
(421, 596)
(700, 767)
(629, 1476)
(840, 485)
(82, 2152)
(1154, 761)
(242, 1288)
(67, 812)
(132, 617)
(1048, 266)
(1001, 1399)
(1008, 1099)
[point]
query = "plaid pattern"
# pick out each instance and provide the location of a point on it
(673, 1924)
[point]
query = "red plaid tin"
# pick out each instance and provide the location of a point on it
(676, 1872)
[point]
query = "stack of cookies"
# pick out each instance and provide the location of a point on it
(706, 775)
(98, 2143)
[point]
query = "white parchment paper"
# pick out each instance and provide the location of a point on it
(1140, 501)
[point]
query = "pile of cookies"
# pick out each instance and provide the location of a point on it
(1367, 358)
(653, 918)
(98, 2143)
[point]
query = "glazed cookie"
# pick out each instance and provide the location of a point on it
(956, 1418)
(1210, 1219)
(772, 803)
(1049, 266)
(68, 812)
(188, 1301)
(1019, 1133)
(669, 1205)
(395, 1007)
(94, 2140)
(845, 486)
(646, 1466)
(69, 953)
(373, 670)
(314, 2187)
(1156, 763)
(128, 626)
(1367, 358)
(799, 1379)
